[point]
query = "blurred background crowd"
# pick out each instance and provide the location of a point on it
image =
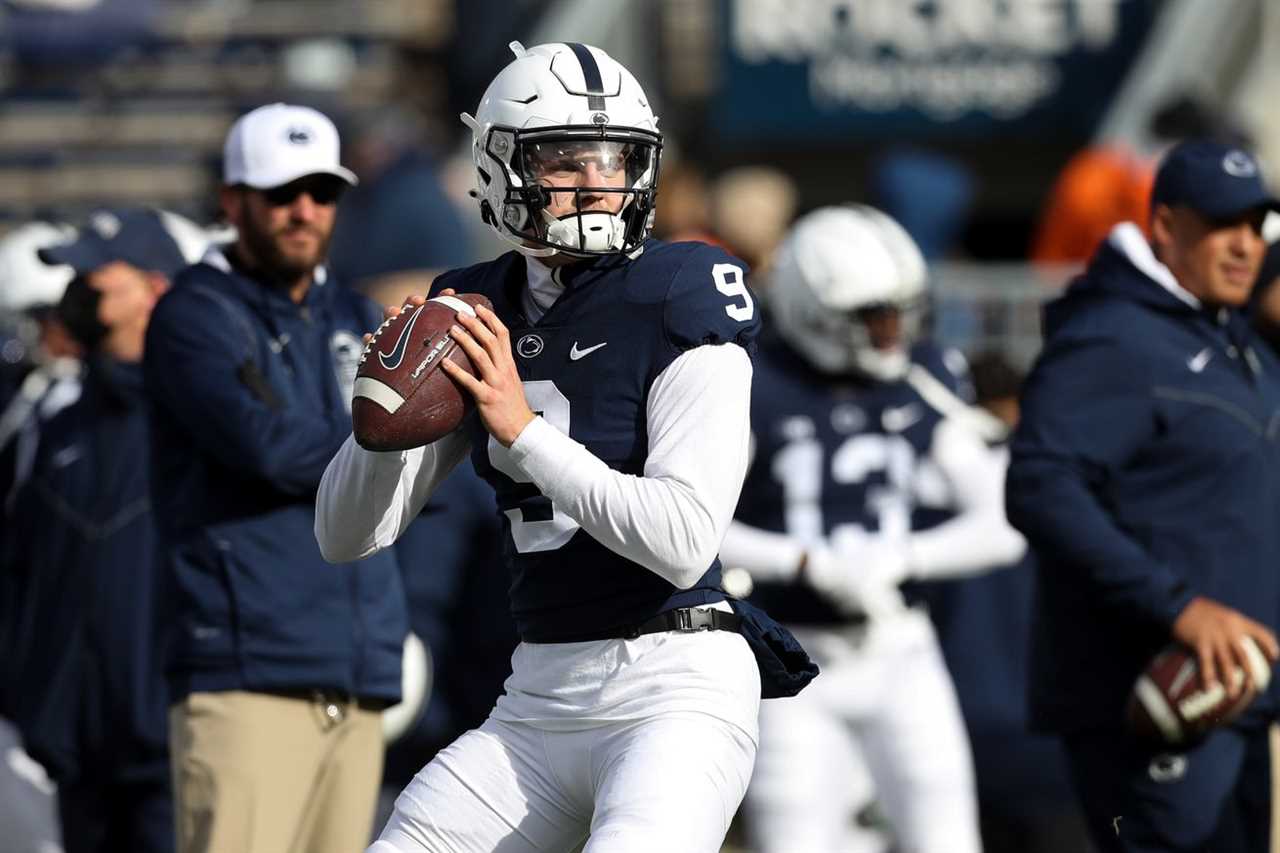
(1006, 137)
(1032, 125)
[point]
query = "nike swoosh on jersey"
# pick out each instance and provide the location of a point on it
(391, 360)
(66, 456)
(575, 353)
(897, 420)
(1200, 360)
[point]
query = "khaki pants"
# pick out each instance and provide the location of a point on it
(262, 773)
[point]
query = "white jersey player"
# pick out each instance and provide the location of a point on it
(844, 427)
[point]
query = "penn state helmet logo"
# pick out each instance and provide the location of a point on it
(529, 346)
(599, 118)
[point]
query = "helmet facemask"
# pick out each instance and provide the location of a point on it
(881, 339)
(844, 341)
(584, 191)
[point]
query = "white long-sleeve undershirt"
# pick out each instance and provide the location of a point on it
(669, 520)
(979, 537)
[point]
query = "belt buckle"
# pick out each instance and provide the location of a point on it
(691, 620)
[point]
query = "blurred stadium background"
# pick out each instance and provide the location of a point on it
(959, 116)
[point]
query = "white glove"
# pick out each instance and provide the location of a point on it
(859, 572)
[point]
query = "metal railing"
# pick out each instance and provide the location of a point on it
(994, 306)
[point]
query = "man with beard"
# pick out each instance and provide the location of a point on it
(281, 661)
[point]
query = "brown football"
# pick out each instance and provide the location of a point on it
(1168, 703)
(402, 397)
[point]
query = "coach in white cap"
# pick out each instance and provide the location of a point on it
(281, 183)
(281, 662)
(280, 143)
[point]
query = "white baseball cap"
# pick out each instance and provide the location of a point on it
(279, 143)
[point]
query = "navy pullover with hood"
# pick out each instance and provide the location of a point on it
(251, 395)
(1145, 471)
(82, 653)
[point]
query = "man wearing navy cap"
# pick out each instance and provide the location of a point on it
(83, 645)
(1145, 475)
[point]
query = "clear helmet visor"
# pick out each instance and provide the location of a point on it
(604, 163)
(590, 195)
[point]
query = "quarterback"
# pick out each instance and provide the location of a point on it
(613, 389)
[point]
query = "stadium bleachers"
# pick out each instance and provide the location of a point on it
(143, 121)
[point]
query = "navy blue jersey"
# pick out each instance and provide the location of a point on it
(828, 454)
(587, 366)
(829, 451)
(933, 500)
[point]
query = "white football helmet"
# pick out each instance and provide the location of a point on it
(563, 105)
(25, 281)
(835, 265)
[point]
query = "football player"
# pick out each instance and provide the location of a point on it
(612, 390)
(842, 421)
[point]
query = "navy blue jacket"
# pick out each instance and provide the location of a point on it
(633, 318)
(251, 397)
(456, 584)
(82, 663)
(1144, 472)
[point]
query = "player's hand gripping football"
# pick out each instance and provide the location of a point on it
(497, 388)
(1214, 632)
(499, 392)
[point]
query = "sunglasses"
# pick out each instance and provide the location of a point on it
(322, 192)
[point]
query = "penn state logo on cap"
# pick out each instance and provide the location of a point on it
(105, 223)
(279, 143)
(1239, 164)
(1218, 180)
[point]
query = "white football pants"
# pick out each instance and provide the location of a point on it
(635, 782)
(885, 699)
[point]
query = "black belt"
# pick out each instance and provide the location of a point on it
(685, 620)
